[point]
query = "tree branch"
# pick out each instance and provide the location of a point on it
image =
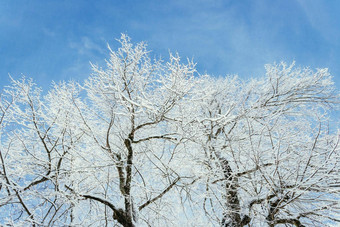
(118, 215)
(244, 172)
(154, 137)
(292, 221)
(160, 195)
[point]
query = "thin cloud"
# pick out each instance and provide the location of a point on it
(86, 46)
(321, 17)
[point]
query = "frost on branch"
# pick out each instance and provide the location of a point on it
(145, 142)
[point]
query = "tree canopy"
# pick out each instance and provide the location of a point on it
(145, 142)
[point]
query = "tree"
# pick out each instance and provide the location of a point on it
(270, 153)
(151, 143)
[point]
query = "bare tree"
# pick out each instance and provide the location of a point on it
(100, 153)
(272, 157)
(149, 143)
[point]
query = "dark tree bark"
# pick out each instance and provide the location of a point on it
(233, 218)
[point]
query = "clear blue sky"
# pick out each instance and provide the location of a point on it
(55, 40)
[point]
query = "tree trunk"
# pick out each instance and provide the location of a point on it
(232, 217)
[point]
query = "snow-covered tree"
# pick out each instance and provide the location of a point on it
(145, 142)
(269, 149)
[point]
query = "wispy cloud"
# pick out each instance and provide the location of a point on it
(324, 18)
(223, 36)
(85, 46)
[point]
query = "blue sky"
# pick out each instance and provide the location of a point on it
(55, 40)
